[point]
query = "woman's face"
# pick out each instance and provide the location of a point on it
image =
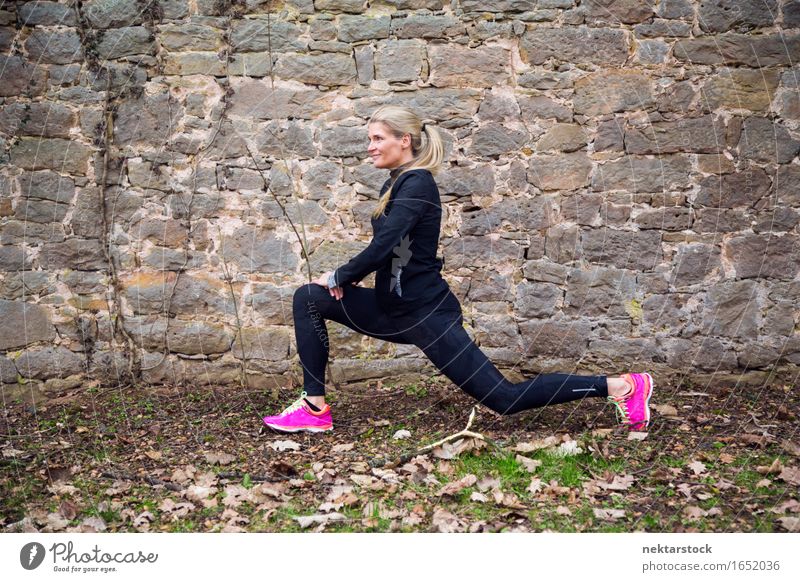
(386, 150)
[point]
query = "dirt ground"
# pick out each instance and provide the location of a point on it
(177, 458)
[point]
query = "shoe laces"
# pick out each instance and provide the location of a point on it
(620, 409)
(294, 405)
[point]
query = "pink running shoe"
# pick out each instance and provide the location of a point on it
(634, 411)
(298, 417)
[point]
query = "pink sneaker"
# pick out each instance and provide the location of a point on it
(634, 411)
(298, 417)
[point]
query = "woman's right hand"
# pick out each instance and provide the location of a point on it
(336, 292)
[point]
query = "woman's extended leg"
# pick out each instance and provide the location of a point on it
(442, 338)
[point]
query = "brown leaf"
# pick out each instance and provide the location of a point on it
(307, 521)
(446, 522)
(791, 448)
(790, 524)
(791, 506)
(609, 514)
(219, 458)
(693, 512)
(697, 467)
(791, 475)
(530, 465)
(775, 467)
(636, 435)
(68, 510)
(726, 458)
(154, 455)
(286, 445)
(535, 486)
(455, 486)
(342, 448)
(666, 410)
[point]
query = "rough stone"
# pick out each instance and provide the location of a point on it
(724, 15)
(466, 181)
(123, 42)
(454, 66)
(190, 37)
(556, 337)
(8, 372)
(562, 137)
(24, 324)
(49, 362)
(199, 63)
(612, 91)
(350, 6)
(694, 262)
(258, 251)
(56, 47)
(666, 313)
(622, 249)
(731, 310)
(73, 253)
(147, 119)
(617, 11)
(18, 76)
(46, 14)
(68, 156)
(641, 174)
(740, 49)
(256, 34)
(424, 26)
(540, 107)
(741, 89)
(496, 139)
(786, 185)
(263, 344)
(599, 292)
(670, 218)
(358, 28)
(766, 141)
(537, 300)
(343, 142)
(399, 60)
(43, 211)
(47, 185)
(43, 119)
(746, 188)
(701, 135)
(560, 171)
(579, 46)
(255, 99)
(190, 338)
(112, 13)
(759, 255)
(675, 9)
(325, 69)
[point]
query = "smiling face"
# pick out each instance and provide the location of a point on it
(385, 149)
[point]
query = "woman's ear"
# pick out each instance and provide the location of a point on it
(406, 140)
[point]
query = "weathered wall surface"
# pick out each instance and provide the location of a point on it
(621, 190)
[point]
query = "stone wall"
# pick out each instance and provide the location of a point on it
(621, 186)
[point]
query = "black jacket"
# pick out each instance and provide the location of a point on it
(403, 248)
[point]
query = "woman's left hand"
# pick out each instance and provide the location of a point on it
(336, 292)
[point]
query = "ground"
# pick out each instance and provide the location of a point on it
(179, 459)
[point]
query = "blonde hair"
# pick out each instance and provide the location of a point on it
(428, 154)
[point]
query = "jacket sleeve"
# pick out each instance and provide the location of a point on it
(409, 202)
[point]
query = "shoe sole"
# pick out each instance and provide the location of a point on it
(647, 400)
(299, 428)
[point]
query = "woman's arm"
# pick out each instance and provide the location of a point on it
(411, 199)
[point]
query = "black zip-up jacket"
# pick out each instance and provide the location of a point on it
(403, 247)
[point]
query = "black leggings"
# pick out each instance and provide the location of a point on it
(441, 337)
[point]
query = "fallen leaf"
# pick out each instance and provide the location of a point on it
(791, 475)
(609, 514)
(446, 522)
(487, 483)
(342, 448)
(563, 510)
(401, 434)
(763, 483)
(535, 486)
(455, 486)
(697, 467)
(791, 506)
(666, 409)
(154, 455)
(791, 448)
(530, 464)
(726, 458)
(307, 521)
(790, 524)
(693, 512)
(775, 467)
(478, 496)
(285, 446)
(636, 435)
(219, 458)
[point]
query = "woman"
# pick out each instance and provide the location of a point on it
(411, 302)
